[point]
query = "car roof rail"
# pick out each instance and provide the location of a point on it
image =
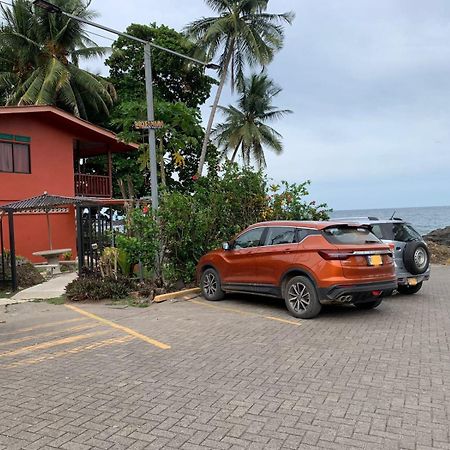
(354, 218)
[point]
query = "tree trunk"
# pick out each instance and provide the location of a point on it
(233, 157)
(201, 162)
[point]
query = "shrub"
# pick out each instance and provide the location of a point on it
(97, 288)
(218, 207)
(28, 275)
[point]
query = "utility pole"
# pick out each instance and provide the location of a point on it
(54, 9)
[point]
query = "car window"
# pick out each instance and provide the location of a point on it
(280, 235)
(249, 239)
(379, 232)
(404, 232)
(350, 236)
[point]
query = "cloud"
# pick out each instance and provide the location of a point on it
(368, 83)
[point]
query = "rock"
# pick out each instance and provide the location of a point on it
(440, 236)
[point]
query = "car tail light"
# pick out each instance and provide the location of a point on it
(334, 255)
(377, 293)
(392, 247)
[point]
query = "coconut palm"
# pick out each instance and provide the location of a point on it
(245, 129)
(39, 54)
(242, 33)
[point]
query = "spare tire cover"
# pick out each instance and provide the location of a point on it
(416, 257)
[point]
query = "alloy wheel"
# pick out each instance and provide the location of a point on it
(299, 297)
(210, 284)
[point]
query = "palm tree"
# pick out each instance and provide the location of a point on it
(245, 128)
(39, 54)
(241, 33)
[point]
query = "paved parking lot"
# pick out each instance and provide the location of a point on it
(240, 373)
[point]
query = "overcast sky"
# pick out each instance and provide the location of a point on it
(369, 84)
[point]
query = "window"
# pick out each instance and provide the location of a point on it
(350, 236)
(402, 232)
(14, 157)
(280, 236)
(249, 239)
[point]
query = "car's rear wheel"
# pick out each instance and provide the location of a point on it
(301, 298)
(416, 257)
(211, 286)
(369, 305)
(409, 290)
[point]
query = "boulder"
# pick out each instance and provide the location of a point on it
(440, 236)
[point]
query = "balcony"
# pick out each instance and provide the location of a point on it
(93, 185)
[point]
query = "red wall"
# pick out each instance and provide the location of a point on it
(51, 155)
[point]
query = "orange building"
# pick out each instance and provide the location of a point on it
(40, 150)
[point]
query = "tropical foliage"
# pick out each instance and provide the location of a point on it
(39, 55)
(174, 79)
(245, 129)
(179, 90)
(219, 206)
(241, 33)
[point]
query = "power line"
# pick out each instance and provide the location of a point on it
(101, 35)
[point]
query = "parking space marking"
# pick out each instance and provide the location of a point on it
(50, 344)
(51, 333)
(127, 330)
(70, 351)
(245, 313)
(43, 325)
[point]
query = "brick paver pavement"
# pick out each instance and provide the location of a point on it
(234, 377)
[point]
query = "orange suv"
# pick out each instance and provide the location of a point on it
(306, 263)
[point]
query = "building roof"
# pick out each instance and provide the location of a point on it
(79, 127)
(45, 201)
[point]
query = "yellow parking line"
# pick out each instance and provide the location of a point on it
(71, 351)
(51, 333)
(120, 327)
(50, 344)
(290, 322)
(44, 325)
(245, 313)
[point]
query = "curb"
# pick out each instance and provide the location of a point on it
(185, 292)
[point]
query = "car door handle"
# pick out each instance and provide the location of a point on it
(289, 250)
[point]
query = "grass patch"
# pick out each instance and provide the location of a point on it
(130, 301)
(52, 301)
(8, 293)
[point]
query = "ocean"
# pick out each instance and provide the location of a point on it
(423, 219)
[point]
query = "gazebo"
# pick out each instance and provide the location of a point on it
(44, 202)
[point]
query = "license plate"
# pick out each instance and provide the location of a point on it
(375, 260)
(412, 281)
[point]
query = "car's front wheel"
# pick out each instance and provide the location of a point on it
(211, 286)
(301, 298)
(409, 290)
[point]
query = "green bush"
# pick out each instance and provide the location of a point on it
(27, 274)
(218, 207)
(221, 206)
(96, 288)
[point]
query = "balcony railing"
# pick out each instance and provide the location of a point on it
(92, 185)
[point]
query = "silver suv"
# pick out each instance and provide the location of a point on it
(411, 254)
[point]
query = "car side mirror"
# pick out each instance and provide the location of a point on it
(226, 246)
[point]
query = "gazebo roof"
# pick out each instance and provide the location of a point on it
(45, 201)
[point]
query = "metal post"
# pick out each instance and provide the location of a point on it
(151, 132)
(80, 245)
(12, 250)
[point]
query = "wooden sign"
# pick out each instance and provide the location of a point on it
(151, 124)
